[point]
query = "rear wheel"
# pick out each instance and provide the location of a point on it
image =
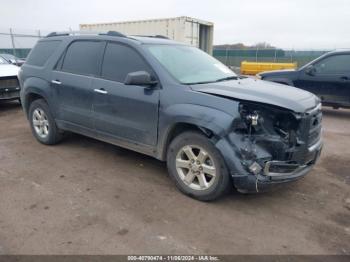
(43, 124)
(197, 167)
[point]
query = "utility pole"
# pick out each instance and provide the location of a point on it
(13, 42)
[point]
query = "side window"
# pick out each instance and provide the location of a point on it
(120, 60)
(42, 52)
(83, 58)
(336, 64)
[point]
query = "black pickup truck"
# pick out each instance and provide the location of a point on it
(327, 77)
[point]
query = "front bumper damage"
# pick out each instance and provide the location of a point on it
(276, 173)
(259, 163)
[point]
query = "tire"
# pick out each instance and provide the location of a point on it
(43, 124)
(189, 178)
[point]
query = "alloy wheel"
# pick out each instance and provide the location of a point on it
(195, 167)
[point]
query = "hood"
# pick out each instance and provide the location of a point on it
(278, 72)
(8, 70)
(249, 89)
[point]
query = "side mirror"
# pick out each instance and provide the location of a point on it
(13, 61)
(140, 78)
(310, 70)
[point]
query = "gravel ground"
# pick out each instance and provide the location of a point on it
(88, 197)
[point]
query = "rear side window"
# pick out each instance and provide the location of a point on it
(42, 52)
(120, 60)
(83, 58)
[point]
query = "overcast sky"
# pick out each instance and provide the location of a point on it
(298, 24)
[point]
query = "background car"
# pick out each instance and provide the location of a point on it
(9, 86)
(13, 59)
(328, 77)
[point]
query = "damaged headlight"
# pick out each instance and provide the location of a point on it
(253, 119)
(268, 133)
(250, 121)
(259, 119)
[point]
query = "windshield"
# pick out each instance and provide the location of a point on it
(2, 61)
(189, 65)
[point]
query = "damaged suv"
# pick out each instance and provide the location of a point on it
(173, 102)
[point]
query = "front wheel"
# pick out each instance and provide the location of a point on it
(197, 167)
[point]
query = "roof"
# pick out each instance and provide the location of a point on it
(154, 40)
(111, 35)
(339, 51)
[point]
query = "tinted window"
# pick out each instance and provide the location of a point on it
(120, 60)
(83, 57)
(334, 65)
(42, 52)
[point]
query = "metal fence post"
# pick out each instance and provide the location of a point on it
(13, 42)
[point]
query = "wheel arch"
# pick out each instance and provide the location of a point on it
(208, 121)
(33, 89)
(179, 128)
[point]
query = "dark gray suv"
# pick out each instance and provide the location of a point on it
(175, 103)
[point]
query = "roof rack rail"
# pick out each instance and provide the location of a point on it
(154, 36)
(115, 33)
(67, 33)
(161, 36)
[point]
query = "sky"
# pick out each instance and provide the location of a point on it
(290, 24)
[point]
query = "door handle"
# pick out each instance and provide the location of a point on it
(56, 82)
(101, 91)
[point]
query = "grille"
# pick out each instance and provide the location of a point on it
(315, 126)
(8, 82)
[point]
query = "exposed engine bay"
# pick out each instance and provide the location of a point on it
(275, 141)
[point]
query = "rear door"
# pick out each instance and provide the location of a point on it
(127, 113)
(72, 82)
(331, 81)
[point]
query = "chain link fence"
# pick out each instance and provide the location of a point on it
(234, 57)
(19, 42)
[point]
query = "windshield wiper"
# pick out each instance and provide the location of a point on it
(215, 81)
(227, 78)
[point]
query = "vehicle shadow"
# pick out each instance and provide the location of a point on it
(110, 149)
(158, 169)
(9, 106)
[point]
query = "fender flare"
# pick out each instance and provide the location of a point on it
(216, 121)
(35, 86)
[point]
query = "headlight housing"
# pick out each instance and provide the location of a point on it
(260, 119)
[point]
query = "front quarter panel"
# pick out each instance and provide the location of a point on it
(213, 113)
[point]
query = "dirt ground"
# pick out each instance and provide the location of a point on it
(87, 197)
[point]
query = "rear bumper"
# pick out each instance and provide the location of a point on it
(286, 173)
